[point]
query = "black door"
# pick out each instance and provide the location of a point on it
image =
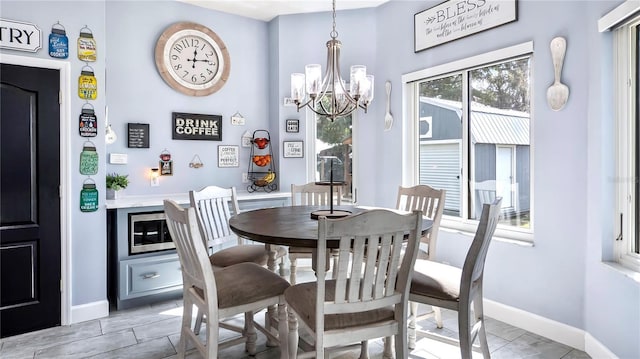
(29, 199)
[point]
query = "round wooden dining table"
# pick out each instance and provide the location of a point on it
(290, 225)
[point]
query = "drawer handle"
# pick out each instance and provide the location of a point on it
(150, 276)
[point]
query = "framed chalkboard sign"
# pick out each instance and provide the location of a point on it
(138, 135)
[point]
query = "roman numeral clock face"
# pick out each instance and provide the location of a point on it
(192, 59)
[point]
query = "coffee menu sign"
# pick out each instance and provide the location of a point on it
(455, 19)
(191, 126)
(21, 36)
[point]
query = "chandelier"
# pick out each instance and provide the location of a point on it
(329, 97)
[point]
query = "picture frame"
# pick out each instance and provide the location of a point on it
(293, 149)
(228, 156)
(292, 126)
(194, 126)
(452, 20)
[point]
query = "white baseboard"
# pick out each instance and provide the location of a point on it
(556, 331)
(89, 311)
(536, 324)
(595, 349)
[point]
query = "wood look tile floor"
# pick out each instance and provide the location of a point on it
(152, 331)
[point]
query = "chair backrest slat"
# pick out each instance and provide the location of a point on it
(378, 273)
(214, 206)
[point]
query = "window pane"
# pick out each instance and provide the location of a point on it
(499, 147)
(441, 138)
(333, 144)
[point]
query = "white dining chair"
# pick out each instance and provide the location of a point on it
(430, 202)
(214, 206)
(369, 296)
(453, 288)
(224, 293)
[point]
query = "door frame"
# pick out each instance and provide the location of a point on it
(64, 68)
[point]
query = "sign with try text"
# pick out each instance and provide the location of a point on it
(21, 36)
(454, 19)
(191, 126)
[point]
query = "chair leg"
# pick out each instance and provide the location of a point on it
(250, 333)
(198, 323)
(413, 312)
(438, 314)
(464, 331)
(388, 348)
(269, 324)
(479, 315)
(281, 271)
(364, 349)
(187, 311)
(283, 330)
(402, 350)
(292, 267)
(293, 335)
(212, 337)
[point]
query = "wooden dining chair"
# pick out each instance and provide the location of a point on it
(224, 293)
(368, 297)
(449, 287)
(214, 206)
(310, 194)
(430, 202)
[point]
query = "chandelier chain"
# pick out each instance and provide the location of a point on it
(334, 33)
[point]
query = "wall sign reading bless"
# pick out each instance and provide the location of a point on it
(454, 19)
(191, 126)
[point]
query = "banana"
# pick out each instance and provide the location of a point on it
(269, 177)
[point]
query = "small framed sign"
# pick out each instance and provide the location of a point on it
(228, 156)
(293, 126)
(293, 149)
(452, 20)
(192, 126)
(138, 135)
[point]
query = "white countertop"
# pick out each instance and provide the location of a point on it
(183, 198)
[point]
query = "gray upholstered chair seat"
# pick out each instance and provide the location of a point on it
(302, 298)
(436, 280)
(252, 253)
(246, 283)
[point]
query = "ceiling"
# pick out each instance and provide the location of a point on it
(268, 9)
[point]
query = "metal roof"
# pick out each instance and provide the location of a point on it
(489, 124)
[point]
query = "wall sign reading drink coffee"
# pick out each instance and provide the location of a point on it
(454, 19)
(191, 126)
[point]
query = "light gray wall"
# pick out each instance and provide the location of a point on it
(572, 156)
(88, 230)
(138, 94)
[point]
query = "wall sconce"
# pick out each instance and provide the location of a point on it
(155, 174)
(109, 134)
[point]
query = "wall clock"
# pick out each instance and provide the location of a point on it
(192, 59)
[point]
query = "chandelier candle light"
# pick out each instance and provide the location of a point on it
(329, 97)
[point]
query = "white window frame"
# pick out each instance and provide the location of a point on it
(410, 137)
(625, 95)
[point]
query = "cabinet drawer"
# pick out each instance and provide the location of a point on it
(150, 275)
